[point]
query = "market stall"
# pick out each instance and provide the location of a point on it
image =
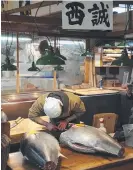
(74, 160)
(46, 53)
(78, 161)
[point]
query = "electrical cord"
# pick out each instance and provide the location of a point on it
(36, 22)
(39, 31)
(32, 41)
(126, 27)
(8, 35)
(127, 22)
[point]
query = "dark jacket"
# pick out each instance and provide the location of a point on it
(130, 97)
(131, 117)
(72, 109)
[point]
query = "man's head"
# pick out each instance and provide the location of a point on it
(53, 107)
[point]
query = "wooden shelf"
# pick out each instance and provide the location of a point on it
(113, 47)
(112, 66)
(111, 53)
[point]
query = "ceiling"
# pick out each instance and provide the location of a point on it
(51, 23)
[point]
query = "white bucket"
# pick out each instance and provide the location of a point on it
(128, 133)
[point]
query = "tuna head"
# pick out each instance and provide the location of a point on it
(41, 149)
(89, 139)
(3, 117)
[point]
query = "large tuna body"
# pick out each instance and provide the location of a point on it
(89, 139)
(41, 149)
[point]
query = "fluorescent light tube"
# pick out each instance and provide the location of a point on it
(5, 38)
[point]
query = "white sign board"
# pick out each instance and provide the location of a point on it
(87, 15)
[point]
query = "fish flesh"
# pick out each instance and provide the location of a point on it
(42, 149)
(89, 139)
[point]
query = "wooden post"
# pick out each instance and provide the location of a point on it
(54, 84)
(94, 70)
(86, 70)
(54, 80)
(87, 64)
(98, 57)
(91, 73)
(54, 44)
(17, 78)
(88, 74)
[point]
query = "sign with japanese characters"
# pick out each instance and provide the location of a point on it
(87, 15)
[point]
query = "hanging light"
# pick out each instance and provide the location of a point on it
(122, 44)
(123, 60)
(87, 54)
(8, 66)
(57, 53)
(33, 67)
(49, 58)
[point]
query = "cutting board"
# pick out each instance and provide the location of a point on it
(23, 127)
(115, 88)
(90, 91)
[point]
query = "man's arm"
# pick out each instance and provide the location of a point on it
(74, 116)
(35, 113)
(130, 96)
(129, 92)
(78, 111)
(39, 120)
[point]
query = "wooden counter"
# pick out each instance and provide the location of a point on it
(26, 125)
(115, 88)
(90, 91)
(77, 161)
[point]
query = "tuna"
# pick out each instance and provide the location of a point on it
(42, 149)
(89, 139)
(3, 117)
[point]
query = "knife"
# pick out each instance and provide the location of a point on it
(16, 122)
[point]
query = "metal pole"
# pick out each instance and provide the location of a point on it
(54, 80)
(17, 78)
(128, 21)
(54, 44)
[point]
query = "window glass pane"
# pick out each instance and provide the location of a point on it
(28, 52)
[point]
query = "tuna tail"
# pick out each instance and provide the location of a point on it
(50, 166)
(121, 153)
(61, 155)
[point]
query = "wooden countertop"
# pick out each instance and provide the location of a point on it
(90, 91)
(78, 161)
(115, 88)
(24, 126)
(75, 161)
